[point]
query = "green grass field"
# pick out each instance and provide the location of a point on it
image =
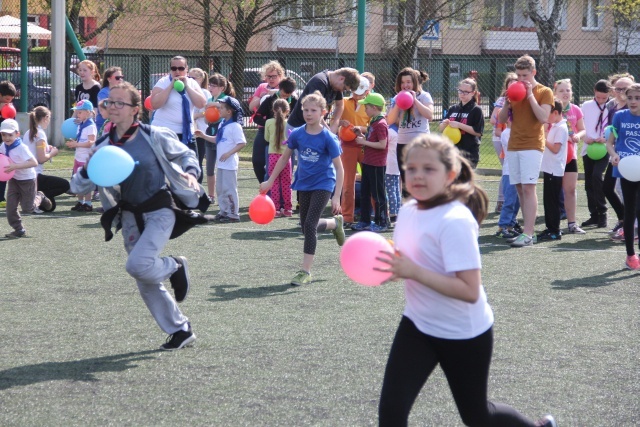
(79, 346)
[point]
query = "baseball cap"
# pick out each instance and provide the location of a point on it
(363, 87)
(373, 99)
(9, 126)
(233, 104)
(83, 104)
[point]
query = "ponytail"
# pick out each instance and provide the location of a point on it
(35, 117)
(280, 113)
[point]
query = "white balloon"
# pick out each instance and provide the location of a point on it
(629, 168)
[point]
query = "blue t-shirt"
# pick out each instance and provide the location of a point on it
(102, 95)
(315, 169)
(628, 142)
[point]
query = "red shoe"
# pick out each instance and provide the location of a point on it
(287, 213)
(633, 262)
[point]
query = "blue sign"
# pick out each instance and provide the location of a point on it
(431, 30)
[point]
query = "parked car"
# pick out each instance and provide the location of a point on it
(252, 80)
(39, 85)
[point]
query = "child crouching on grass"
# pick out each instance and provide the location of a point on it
(319, 172)
(229, 141)
(22, 186)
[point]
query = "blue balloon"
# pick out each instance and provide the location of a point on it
(110, 166)
(607, 132)
(69, 129)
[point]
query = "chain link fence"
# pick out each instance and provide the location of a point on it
(450, 40)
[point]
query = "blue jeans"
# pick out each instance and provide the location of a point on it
(511, 205)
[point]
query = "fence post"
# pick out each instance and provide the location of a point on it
(576, 93)
(446, 76)
(145, 77)
(493, 76)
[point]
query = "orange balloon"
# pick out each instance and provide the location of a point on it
(147, 103)
(262, 210)
(212, 114)
(347, 134)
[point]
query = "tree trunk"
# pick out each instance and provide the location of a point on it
(546, 68)
(238, 59)
(206, 36)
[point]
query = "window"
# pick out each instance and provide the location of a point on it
(507, 13)
(460, 14)
(319, 13)
(390, 12)
(591, 15)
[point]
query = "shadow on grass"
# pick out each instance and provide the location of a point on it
(76, 370)
(221, 292)
(92, 225)
(598, 281)
(267, 235)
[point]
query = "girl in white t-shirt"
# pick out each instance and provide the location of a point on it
(392, 175)
(447, 319)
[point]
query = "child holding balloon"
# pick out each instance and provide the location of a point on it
(274, 134)
(319, 173)
(85, 138)
(622, 145)
(447, 319)
(7, 111)
(21, 174)
(466, 116)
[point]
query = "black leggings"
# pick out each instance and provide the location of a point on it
(259, 155)
(312, 204)
(609, 189)
(465, 363)
(200, 153)
(631, 196)
(400, 158)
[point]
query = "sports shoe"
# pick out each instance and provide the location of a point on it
(523, 240)
(279, 213)
(37, 211)
(588, 223)
(225, 220)
(633, 262)
(45, 203)
(338, 232)
(548, 235)
(361, 226)
(518, 228)
(180, 279)
(547, 421)
(79, 207)
(574, 229)
(378, 228)
(510, 234)
(16, 234)
(619, 236)
(615, 229)
(3, 204)
(96, 196)
(301, 278)
(179, 340)
(86, 208)
(602, 221)
(287, 213)
(505, 233)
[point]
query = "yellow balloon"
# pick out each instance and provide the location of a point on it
(452, 133)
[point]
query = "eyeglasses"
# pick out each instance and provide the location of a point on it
(619, 89)
(178, 68)
(271, 77)
(212, 85)
(464, 92)
(118, 104)
(119, 77)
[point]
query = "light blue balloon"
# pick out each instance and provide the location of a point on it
(69, 129)
(607, 132)
(110, 166)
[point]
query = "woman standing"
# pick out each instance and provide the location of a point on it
(112, 76)
(201, 77)
(272, 73)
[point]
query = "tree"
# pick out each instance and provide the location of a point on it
(235, 22)
(626, 17)
(547, 29)
(415, 17)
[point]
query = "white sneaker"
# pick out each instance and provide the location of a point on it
(524, 240)
(574, 229)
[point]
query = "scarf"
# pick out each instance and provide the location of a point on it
(221, 127)
(186, 115)
(83, 125)
(113, 135)
(370, 126)
(565, 114)
(599, 127)
(17, 142)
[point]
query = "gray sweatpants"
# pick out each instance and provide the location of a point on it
(23, 193)
(149, 269)
(227, 192)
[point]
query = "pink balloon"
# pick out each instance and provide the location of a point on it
(4, 162)
(516, 91)
(358, 258)
(404, 100)
(8, 111)
(261, 209)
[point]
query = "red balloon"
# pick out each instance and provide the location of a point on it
(147, 103)
(262, 210)
(404, 100)
(516, 91)
(8, 111)
(212, 114)
(4, 162)
(347, 134)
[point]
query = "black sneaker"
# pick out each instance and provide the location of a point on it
(615, 229)
(518, 228)
(602, 221)
(78, 207)
(591, 221)
(548, 235)
(45, 203)
(180, 279)
(16, 234)
(179, 340)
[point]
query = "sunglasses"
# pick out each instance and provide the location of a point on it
(119, 78)
(178, 68)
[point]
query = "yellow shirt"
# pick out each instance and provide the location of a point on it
(270, 136)
(527, 133)
(354, 113)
